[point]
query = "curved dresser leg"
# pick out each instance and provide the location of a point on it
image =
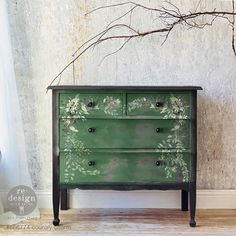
(55, 161)
(56, 200)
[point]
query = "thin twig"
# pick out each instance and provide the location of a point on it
(123, 4)
(233, 30)
(120, 48)
(130, 17)
(73, 72)
(59, 81)
(166, 36)
(102, 33)
(108, 6)
(173, 6)
(122, 16)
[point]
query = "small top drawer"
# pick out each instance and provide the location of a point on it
(90, 104)
(166, 105)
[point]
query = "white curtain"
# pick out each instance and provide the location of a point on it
(13, 159)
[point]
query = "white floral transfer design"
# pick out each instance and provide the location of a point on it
(75, 163)
(74, 148)
(75, 152)
(78, 107)
(111, 105)
(174, 106)
(175, 162)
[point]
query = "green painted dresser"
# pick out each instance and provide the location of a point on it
(124, 138)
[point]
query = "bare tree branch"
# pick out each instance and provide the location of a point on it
(102, 33)
(169, 15)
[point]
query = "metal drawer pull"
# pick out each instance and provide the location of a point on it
(159, 104)
(158, 163)
(91, 163)
(91, 104)
(91, 130)
(158, 130)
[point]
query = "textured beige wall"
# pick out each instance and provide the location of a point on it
(46, 32)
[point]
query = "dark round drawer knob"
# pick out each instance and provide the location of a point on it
(159, 104)
(158, 163)
(90, 104)
(72, 113)
(158, 130)
(177, 112)
(91, 130)
(91, 163)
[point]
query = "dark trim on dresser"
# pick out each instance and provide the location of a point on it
(55, 162)
(126, 186)
(81, 87)
(192, 184)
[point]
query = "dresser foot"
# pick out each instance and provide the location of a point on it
(56, 222)
(55, 191)
(192, 223)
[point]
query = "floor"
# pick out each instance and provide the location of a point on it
(127, 222)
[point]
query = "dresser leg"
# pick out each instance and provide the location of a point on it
(64, 199)
(55, 190)
(192, 196)
(56, 200)
(184, 200)
(55, 162)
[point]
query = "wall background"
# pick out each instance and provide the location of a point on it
(45, 34)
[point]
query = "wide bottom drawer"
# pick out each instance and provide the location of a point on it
(124, 167)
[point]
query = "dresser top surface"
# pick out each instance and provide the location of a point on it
(102, 87)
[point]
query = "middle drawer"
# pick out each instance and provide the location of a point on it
(124, 133)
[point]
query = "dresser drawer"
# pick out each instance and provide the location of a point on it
(117, 167)
(90, 104)
(124, 133)
(162, 105)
